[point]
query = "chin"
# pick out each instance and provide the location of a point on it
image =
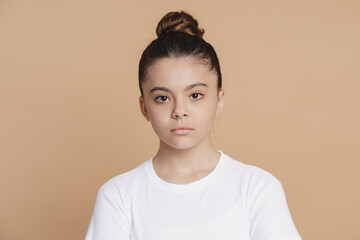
(180, 145)
(181, 142)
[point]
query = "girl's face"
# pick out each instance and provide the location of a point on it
(181, 100)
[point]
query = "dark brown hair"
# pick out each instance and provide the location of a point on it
(178, 36)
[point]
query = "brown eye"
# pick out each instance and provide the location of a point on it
(161, 99)
(196, 96)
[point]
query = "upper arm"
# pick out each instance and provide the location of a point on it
(269, 214)
(109, 220)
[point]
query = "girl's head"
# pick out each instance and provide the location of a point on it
(178, 37)
(180, 83)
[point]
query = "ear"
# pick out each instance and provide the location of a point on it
(143, 108)
(221, 101)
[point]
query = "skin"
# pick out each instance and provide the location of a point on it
(182, 92)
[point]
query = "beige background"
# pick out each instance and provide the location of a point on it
(69, 115)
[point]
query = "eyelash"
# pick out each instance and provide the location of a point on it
(159, 97)
(200, 94)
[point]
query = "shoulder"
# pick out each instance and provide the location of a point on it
(255, 184)
(250, 181)
(126, 181)
(248, 173)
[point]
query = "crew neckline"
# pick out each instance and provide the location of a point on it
(179, 188)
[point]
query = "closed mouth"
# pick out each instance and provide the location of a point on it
(181, 130)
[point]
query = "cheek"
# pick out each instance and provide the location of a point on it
(159, 126)
(205, 112)
(159, 118)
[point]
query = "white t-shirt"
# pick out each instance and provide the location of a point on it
(234, 202)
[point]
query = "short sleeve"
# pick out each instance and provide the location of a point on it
(269, 213)
(109, 220)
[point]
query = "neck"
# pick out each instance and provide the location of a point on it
(185, 161)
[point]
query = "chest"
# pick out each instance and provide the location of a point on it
(200, 215)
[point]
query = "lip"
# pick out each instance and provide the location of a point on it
(181, 130)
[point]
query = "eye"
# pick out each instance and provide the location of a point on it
(196, 96)
(161, 99)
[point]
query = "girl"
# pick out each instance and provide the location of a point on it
(188, 190)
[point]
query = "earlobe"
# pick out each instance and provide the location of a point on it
(221, 101)
(143, 107)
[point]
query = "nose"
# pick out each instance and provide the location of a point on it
(180, 110)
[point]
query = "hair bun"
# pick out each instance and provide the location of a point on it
(179, 22)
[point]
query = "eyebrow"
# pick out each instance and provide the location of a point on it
(195, 85)
(186, 89)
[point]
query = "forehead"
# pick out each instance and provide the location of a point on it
(179, 72)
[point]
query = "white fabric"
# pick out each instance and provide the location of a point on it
(235, 201)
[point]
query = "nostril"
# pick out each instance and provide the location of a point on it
(182, 115)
